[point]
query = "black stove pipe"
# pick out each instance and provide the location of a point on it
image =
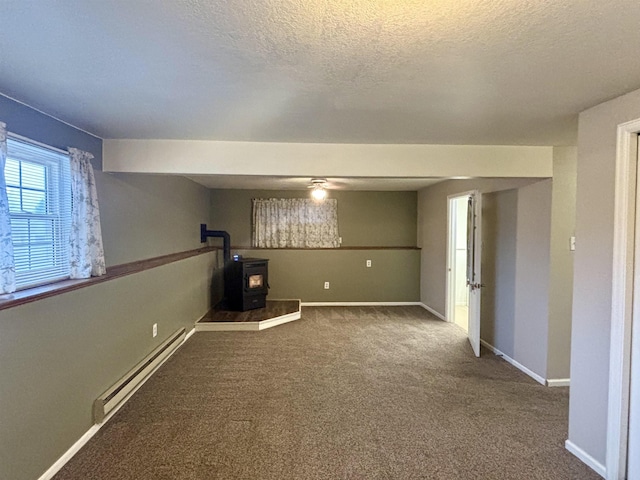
(226, 238)
(218, 287)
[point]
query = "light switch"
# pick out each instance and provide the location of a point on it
(572, 244)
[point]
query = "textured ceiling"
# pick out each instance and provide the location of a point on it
(403, 71)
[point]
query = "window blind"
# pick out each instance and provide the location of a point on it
(39, 192)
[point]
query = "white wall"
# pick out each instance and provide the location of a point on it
(591, 324)
(432, 231)
(563, 224)
(533, 243)
(515, 312)
(499, 253)
(192, 157)
(515, 269)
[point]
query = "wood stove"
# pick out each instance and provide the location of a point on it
(246, 283)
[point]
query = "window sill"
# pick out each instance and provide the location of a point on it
(117, 271)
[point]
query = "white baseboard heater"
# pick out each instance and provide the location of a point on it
(110, 399)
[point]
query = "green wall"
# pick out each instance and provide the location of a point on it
(365, 219)
(393, 276)
(57, 355)
(377, 220)
(145, 216)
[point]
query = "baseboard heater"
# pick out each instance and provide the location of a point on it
(110, 399)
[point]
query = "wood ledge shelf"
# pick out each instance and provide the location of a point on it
(117, 271)
(330, 249)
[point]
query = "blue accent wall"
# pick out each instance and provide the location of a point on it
(30, 123)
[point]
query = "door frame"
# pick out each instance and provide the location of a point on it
(624, 270)
(450, 290)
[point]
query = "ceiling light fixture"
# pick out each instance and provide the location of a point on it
(318, 186)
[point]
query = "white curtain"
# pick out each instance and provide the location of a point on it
(295, 223)
(7, 267)
(86, 251)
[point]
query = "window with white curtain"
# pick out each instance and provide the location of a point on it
(295, 223)
(39, 194)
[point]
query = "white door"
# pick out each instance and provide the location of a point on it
(474, 278)
(633, 445)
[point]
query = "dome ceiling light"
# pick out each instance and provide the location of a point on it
(318, 188)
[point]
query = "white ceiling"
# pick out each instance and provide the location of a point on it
(362, 71)
(483, 72)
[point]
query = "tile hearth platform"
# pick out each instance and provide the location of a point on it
(276, 312)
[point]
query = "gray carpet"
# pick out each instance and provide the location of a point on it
(343, 393)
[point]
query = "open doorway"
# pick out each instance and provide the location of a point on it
(458, 236)
(464, 253)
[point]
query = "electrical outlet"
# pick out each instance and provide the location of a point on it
(326, 285)
(155, 329)
(368, 263)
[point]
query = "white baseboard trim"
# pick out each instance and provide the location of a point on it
(493, 349)
(68, 455)
(193, 330)
(272, 322)
(558, 382)
(515, 363)
(585, 458)
(373, 304)
(358, 304)
(432, 311)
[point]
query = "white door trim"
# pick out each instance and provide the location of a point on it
(450, 288)
(622, 299)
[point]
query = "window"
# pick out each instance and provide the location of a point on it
(295, 223)
(39, 193)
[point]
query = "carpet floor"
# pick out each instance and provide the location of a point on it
(343, 393)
